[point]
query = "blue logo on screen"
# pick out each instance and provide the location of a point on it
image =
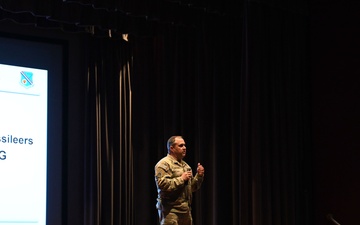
(26, 79)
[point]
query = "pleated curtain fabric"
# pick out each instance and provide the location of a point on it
(229, 76)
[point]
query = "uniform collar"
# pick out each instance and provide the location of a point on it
(174, 159)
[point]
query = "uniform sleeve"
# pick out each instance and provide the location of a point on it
(165, 179)
(196, 182)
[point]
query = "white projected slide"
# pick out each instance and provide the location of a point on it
(23, 145)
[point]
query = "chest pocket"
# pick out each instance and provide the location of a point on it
(177, 171)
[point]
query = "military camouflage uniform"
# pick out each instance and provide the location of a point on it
(174, 194)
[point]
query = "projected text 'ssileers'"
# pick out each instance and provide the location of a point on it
(16, 140)
(10, 139)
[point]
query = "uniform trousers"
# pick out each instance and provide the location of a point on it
(172, 218)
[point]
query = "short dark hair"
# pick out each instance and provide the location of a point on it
(171, 141)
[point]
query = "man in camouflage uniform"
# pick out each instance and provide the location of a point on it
(175, 184)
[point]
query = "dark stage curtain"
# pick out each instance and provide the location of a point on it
(108, 152)
(238, 92)
(231, 78)
(275, 147)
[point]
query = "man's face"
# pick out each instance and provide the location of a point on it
(178, 148)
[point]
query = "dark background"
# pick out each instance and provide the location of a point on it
(334, 60)
(333, 47)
